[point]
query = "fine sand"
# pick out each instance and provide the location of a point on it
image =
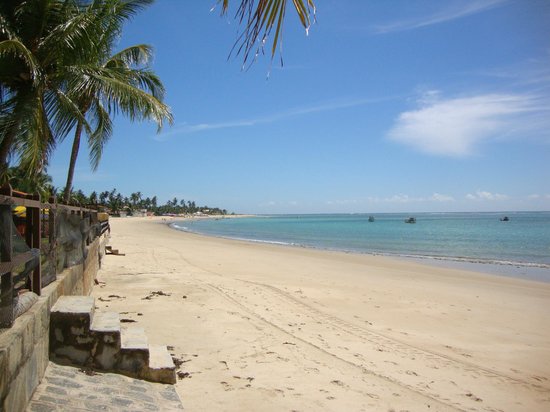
(274, 328)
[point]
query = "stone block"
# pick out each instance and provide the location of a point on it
(42, 357)
(70, 321)
(106, 332)
(32, 376)
(27, 325)
(15, 352)
(17, 396)
(4, 378)
(134, 352)
(37, 312)
(161, 365)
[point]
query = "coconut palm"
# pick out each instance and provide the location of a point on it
(106, 83)
(35, 38)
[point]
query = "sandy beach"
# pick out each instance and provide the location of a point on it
(275, 328)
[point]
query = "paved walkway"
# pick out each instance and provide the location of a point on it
(66, 388)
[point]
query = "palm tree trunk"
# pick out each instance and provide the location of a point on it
(74, 155)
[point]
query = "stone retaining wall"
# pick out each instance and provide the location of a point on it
(24, 347)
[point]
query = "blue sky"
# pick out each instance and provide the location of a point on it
(386, 106)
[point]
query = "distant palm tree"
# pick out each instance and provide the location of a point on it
(93, 198)
(104, 83)
(103, 197)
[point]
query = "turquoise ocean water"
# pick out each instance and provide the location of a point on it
(519, 247)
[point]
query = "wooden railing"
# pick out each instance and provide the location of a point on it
(35, 214)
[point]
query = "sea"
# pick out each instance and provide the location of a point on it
(519, 247)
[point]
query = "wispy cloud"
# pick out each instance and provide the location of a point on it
(403, 198)
(454, 127)
(536, 196)
(453, 11)
(484, 195)
(184, 129)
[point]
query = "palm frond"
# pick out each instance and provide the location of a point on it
(259, 18)
(101, 134)
(140, 54)
(36, 141)
(64, 113)
(18, 50)
(120, 89)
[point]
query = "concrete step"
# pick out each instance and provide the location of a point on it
(161, 365)
(105, 329)
(134, 351)
(106, 322)
(74, 307)
(70, 320)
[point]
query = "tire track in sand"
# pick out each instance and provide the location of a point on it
(458, 384)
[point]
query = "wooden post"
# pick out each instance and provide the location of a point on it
(36, 281)
(53, 236)
(6, 282)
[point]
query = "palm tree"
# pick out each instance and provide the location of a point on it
(108, 83)
(38, 40)
(93, 198)
(103, 197)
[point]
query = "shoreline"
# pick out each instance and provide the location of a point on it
(533, 271)
(285, 328)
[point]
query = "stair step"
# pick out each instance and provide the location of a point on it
(133, 338)
(70, 338)
(161, 365)
(106, 322)
(134, 352)
(74, 305)
(105, 329)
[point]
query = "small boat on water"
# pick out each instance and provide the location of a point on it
(371, 218)
(505, 219)
(410, 220)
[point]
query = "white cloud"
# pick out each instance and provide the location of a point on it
(342, 202)
(533, 196)
(481, 195)
(453, 127)
(441, 198)
(403, 198)
(452, 11)
(272, 203)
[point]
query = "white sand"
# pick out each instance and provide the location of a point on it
(274, 328)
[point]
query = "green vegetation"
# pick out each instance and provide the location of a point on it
(116, 203)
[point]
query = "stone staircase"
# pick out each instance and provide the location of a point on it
(79, 335)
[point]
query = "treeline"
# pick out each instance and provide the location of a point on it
(115, 202)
